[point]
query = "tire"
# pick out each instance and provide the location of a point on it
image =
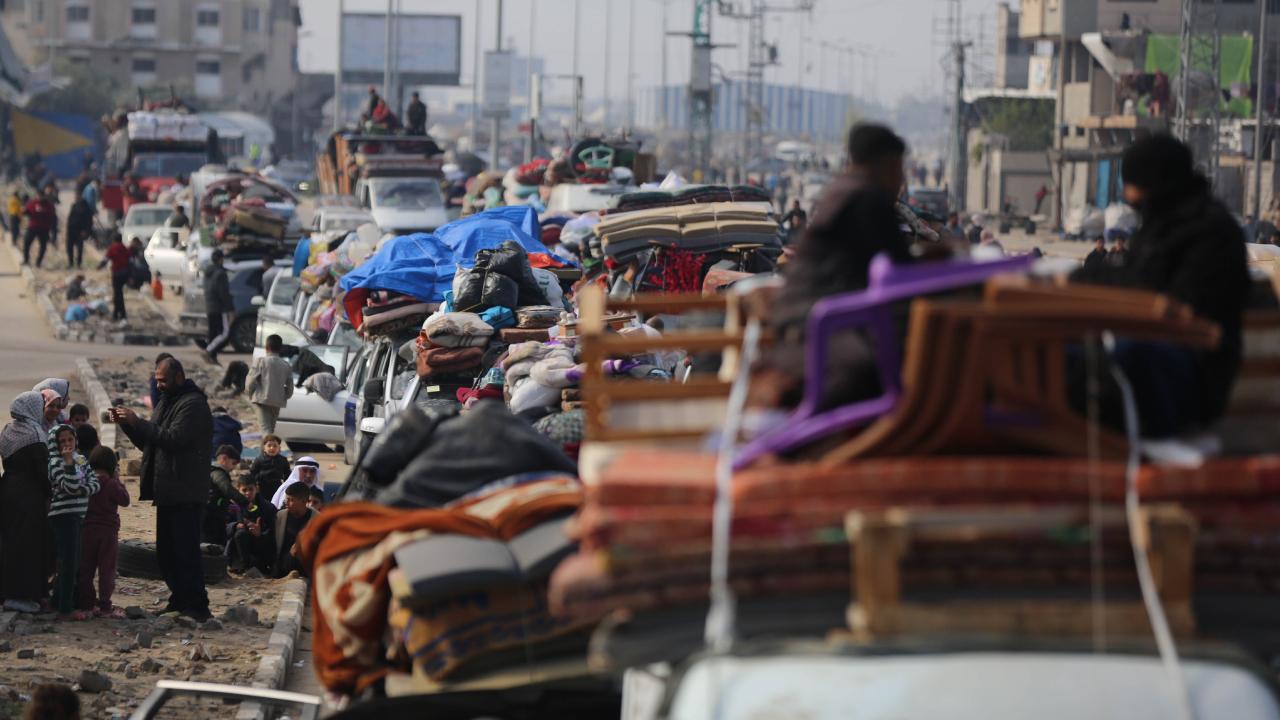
(138, 560)
(244, 333)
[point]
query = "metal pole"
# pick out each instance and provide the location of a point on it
(529, 72)
(495, 124)
(1259, 135)
(475, 80)
(577, 79)
(631, 59)
(386, 67)
(337, 74)
(665, 107)
(608, 51)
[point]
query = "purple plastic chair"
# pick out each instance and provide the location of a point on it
(870, 308)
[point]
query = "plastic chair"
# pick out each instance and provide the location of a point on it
(870, 308)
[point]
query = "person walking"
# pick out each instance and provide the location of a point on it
(270, 384)
(178, 218)
(218, 306)
(72, 483)
(118, 257)
(16, 203)
(79, 225)
(41, 220)
(24, 505)
(416, 116)
(175, 478)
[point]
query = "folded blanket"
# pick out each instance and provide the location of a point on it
(457, 329)
(440, 360)
(520, 335)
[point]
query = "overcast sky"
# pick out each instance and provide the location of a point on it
(900, 55)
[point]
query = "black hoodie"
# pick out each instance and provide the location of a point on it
(175, 448)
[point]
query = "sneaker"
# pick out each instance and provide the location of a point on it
(23, 606)
(198, 615)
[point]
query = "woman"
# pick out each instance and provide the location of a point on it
(24, 505)
(52, 408)
(62, 389)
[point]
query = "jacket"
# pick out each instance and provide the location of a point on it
(281, 525)
(1191, 249)
(416, 116)
(226, 431)
(270, 381)
(217, 292)
(174, 444)
(72, 485)
(40, 215)
(268, 471)
(104, 506)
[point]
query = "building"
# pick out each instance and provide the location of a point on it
(226, 54)
(790, 111)
(1013, 54)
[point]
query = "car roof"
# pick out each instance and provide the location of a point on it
(150, 206)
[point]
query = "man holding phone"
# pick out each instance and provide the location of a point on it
(175, 477)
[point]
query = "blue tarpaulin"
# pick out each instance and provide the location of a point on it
(422, 265)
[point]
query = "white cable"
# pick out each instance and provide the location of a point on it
(1146, 581)
(721, 615)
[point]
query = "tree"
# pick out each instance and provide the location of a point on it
(1025, 123)
(86, 92)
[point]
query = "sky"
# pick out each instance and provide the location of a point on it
(896, 51)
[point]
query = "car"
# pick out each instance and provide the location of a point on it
(166, 254)
(932, 200)
(293, 174)
(403, 205)
(577, 199)
(278, 302)
(382, 381)
(244, 273)
(307, 417)
(338, 218)
(142, 221)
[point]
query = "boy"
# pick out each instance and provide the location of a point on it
(316, 501)
(288, 525)
(250, 544)
(16, 203)
(78, 415)
(101, 535)
(222, 495)
(270, 468)
(270, 384)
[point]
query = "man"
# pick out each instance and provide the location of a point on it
(175, 477)
(1041, 194)
(416, 115)
(41, 221)
(178, 218)
(306, 471)
(796, 219)
(219, 307)
(79, 225)
(90, 194)
(289, 525)
(118, 257)
(1098, 254)
(1119, 254)
(270, 384)
(1189, 247)
(373, 100)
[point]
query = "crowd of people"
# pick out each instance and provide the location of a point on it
(61, 494)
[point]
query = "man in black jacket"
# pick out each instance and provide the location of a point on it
(175, 477)
(219, 307)
(416, 116)
(1189, 248)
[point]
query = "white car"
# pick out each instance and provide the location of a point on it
(308, 417)
(278, 303)
(337, 218)
(143, 220)
(403, 205)
(166, 254)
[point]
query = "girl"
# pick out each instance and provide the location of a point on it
(72, 483)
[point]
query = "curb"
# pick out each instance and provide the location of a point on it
(274, 666)
(99, 401)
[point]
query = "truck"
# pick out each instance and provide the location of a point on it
(149, 150)
(397, 178)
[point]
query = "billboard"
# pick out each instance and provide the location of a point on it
(428, 48)
(496, 101)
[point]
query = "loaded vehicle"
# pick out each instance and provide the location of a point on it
(142, 220)
(166, 254)
(397, 178)
(150, 150)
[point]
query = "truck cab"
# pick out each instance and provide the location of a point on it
(403, 205)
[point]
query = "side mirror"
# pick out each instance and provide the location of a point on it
(372, 425)
(373, 389)
(258, 301)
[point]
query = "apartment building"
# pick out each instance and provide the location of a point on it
(229, 54)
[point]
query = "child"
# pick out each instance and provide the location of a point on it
(289, 524)
(222, 496)
(78, 415)
(72, 484)
(250, 544)
(270, 468)
(102, 535)
(270, 384)
(316, 501)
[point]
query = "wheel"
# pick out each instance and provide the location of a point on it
(138, 559)
(244, 333)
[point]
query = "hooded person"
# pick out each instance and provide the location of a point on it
(24, 505)
(306, 470)
(1189, 247)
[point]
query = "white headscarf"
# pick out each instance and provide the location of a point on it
(295, 476)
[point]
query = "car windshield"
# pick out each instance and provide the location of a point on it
(167, 165)
(146, 216)
(344, 334)
(416, 194)
(344, 222)
(288, 332)
(284, 289)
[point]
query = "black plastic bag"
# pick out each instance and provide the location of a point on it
(511, 260)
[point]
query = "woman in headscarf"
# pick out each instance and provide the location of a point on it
(24, 505)
(59, 389)
(306, 470)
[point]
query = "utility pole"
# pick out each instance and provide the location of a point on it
(535, 87)
(666, 30)
(631, 59)
(608, 50)
(1200, 52)
(495, 124)
(1259, 134)
(700, 92)
(577, 78)
(959, 160)
(387, 43)
(475, 79)
(337, 73)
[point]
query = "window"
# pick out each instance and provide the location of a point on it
(207, 18)
(208, 29)
(143, 71)
(77, 13)
(78, 27)
(144, 65)
(252, 20)
(208, 67)
(142, 22)
(144, 16)
(208, 78)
